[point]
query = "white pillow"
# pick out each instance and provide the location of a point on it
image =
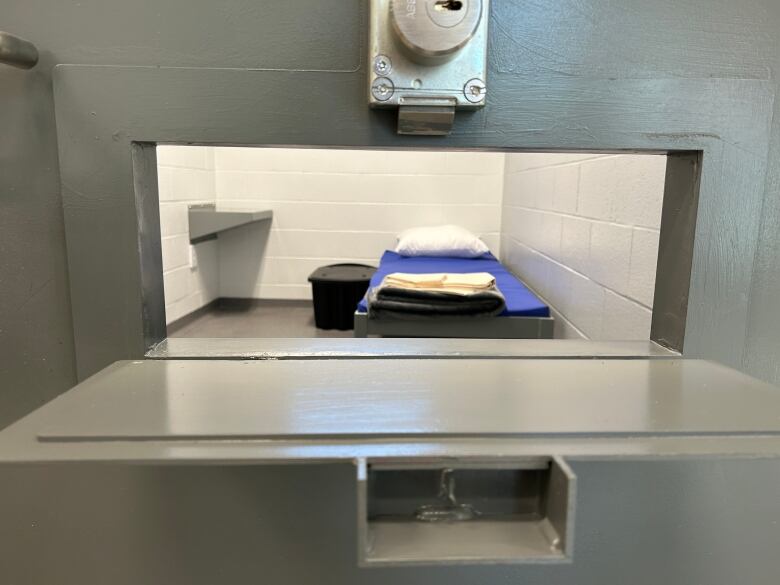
(445, 240)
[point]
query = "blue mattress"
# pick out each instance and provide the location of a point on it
(520, 302)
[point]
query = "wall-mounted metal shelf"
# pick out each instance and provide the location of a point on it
(206, 221)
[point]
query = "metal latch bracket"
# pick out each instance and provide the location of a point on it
(426, 120)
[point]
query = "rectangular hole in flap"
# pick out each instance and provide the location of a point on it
(465, 512)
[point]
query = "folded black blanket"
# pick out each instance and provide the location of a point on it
(404, 303)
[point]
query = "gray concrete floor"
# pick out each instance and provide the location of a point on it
(258, 319)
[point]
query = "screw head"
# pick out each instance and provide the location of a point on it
(382, 89)
(382, 65)
(475, 90)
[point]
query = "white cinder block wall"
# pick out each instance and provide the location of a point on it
(582, 231)
(185, 176)
(334, 206)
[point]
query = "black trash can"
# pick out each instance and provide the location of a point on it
(337, 290)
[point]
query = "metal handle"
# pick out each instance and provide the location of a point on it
(17, 52)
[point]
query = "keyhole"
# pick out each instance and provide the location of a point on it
(448, 5)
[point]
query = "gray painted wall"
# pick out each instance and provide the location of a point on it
(36, 333)
(572, 39)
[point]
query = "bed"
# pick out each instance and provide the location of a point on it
(526, 316)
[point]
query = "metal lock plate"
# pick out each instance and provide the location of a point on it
(428, 53)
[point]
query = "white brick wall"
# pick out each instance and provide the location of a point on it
(343, 206)
(185, 176)
(582, 231)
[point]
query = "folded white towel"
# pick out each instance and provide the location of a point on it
(456, 283)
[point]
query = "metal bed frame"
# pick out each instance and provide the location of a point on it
(464, 327)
